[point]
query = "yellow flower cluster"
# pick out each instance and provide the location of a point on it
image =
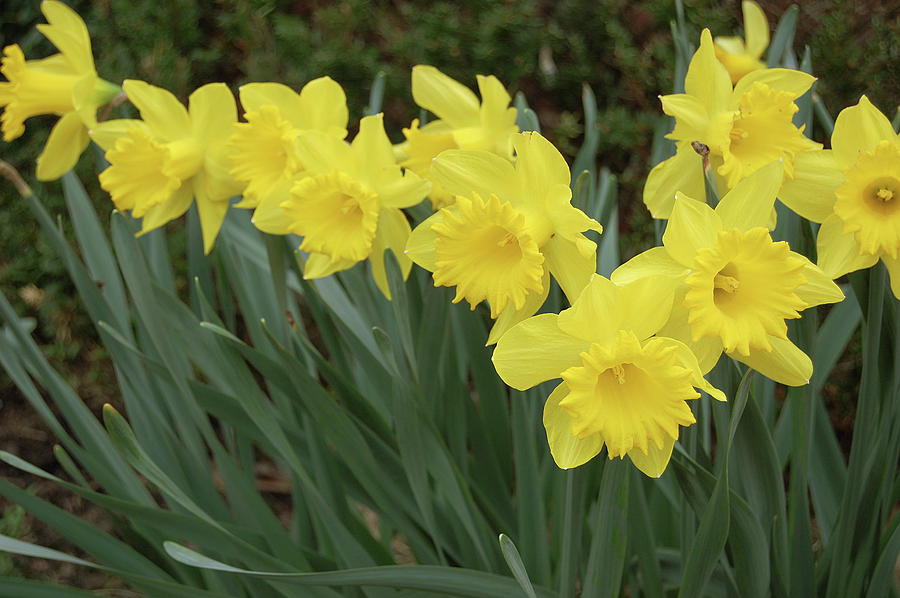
(630, 351)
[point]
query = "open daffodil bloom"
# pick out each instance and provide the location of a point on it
(734, 285)
(265, 157)
(159, 165)
(621, 386)
(463, 122)
(347, 203)
(861, 220)
(509, 230)
(65, 84)
(745, 127)
(742, 56)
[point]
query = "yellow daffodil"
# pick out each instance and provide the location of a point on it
(160, 164)
(742, 56)
(510, 228)
(64, 84)
(861, 218)
(265, 158)
(621, 385)
(734, 285)
(463, 122)
(745, 127)
(347, 204)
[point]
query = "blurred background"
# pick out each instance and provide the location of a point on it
(546, 49)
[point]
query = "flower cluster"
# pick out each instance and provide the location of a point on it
(631, 350)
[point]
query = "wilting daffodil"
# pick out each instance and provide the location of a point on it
(347, 205)
(734, 285)
(265, 157)
(63, 84)
(512, 226)
(745, 127)
(861, 218)
(621, 385)
(742, 56)
(160, 164)
(463, 122)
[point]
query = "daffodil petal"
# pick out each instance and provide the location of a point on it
(819, 288)
(539, 165)
(67, 140)
(691, 117)
(269, 216)
(169, 210)
(785, 363)
(161, 110)
(756, 28)
(750, 203)
(683, 173)
(693, 225)
(450, 100)
(654, 463)
(655, 262)
(568, 266)
(68, 33)
(707, 78)
(596, 314)
(106, 133)
(319, 265)
(688, 360)
(536, 350)
(794, 82)
(646, 305)
(213, 113)
(510, 317)
(857, 130)
(567, 449)
(211, 210)
(319, 153)
(400, 190)
(256, 95)
(893, 267)
(372, 148)
(420, 245)
(707, 349)
(323, 106)
(462, 172)
(838, 251)
(810, 192)
(393, 232)
(568, 221)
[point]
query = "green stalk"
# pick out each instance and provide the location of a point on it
(865, 426)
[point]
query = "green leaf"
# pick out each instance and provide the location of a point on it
(606, 560)
(587, 154)
(376, 94)
(95, 248)
(511, 555)
(21, 588)
(784, 36)
(99, 544)
(883, 574)
(526, 119)
(716, 519)
(448, 580)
